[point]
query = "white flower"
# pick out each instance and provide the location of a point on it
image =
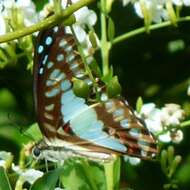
(84, 18)
(26, 8)
(125, 2)
(166, 137)
(158, 121)
(156, 9)
(172, 114)
(177, 137)
(152, 117)
(2, 163)
(132, 160)
(29, 175)
(4, 156)
(181, 2)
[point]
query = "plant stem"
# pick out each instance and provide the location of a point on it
(185, 124)
(109, 174)
(48, 22)
(88, 174)
(143, 29)
(105, 45)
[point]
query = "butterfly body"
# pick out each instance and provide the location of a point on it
(70, 125)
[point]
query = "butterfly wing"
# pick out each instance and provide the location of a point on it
(66, 120)
(112, 125)
(56, 62)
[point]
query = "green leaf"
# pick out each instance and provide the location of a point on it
(113, 87)
(92, 38)
(74, 177)
(183, 174)
(139, 104)
(4, 181)
(111, 29)
(34, 132)
(48, 181)
(94, 67)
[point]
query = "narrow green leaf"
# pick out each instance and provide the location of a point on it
(111, 29)
(48, 181)
(113, 87)
(92, 38)
(139, 104)
(4, 181)
(34, 132)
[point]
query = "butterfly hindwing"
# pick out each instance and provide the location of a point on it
(113, 126)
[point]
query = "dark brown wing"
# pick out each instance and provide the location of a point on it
(56, 61)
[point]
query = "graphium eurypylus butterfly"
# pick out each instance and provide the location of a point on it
(70, 126)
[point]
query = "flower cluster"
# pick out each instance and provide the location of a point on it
(156, 10)
(15, 14)
(85, 18)
(163, 123)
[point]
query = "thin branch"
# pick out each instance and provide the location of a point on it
(48, 22)
(143, 29)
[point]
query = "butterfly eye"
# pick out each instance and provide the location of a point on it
(36, 152)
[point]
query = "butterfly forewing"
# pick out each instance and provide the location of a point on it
(56, 62)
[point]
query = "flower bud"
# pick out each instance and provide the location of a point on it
(171, 12)
(80, 88)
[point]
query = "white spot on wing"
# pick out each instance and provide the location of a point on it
(45, 59)
(48, 116)
(60, 57)
(49, 127)
(41, 70)
(124, 123)
(40, 49)
(49, 107)
(62, 43)
(65, 85)
(55, 29)
(50, 64)
(134, 132)
(54, 74)
(48, 40)
(70, 57)
(52, 93)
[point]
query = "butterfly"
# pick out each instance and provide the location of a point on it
(71, 126)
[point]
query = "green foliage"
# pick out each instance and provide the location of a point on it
(4, 182)
(48, 181)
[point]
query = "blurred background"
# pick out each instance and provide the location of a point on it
(155, 66)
